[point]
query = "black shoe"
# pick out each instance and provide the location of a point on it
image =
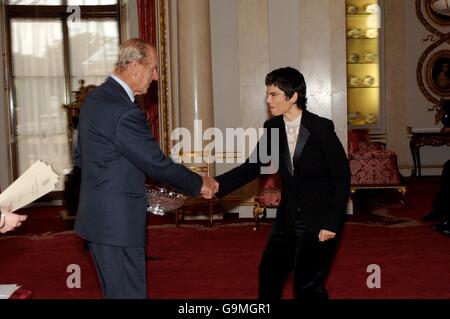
(444, 231)
(433, 215)
(441, 225)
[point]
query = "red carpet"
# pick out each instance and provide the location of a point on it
(200, 262)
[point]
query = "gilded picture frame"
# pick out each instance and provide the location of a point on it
(437, 18)
(165, 62)
(437, 71)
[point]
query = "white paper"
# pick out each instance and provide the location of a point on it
(35, 182)
(7, 290)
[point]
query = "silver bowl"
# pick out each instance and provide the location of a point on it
(161, 200)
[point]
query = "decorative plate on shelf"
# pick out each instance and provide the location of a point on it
(352, 9)
(354, 81)
(369, 80)
(353, 58)
(371, 118)
(370, 57)
(354, 33)
(354, 116)
(371, 33)
(372, 8)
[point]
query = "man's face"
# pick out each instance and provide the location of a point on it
(278, 102)
(146, 72)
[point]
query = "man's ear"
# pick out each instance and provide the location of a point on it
(294, 98)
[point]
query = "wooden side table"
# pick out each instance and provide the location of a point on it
(425, 139)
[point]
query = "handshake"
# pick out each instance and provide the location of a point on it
(209, 187)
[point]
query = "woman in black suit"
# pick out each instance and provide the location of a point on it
(315, 178)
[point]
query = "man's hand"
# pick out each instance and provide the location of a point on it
(209, 188)
(10, 220)
(324, 235)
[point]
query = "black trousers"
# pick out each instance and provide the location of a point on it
(441, 201)
(301, 253)
(72, 190)
(121, 271)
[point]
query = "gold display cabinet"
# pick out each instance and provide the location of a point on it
(363, 25)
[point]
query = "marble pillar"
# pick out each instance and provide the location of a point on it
(195, 67)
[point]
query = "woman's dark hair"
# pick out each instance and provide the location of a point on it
(289, 80)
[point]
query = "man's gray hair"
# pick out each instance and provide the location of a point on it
(132, 50)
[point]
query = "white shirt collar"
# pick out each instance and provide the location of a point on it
(295, 122)
(125, 86)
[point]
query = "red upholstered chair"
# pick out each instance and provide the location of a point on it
(371, 165)
(268, 197)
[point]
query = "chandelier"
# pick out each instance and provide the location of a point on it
(441, 7)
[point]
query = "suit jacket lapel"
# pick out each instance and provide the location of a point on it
(302, 138)
(284, 148)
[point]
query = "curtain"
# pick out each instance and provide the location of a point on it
(94, 45)
(38, 79)
(37, 56)
(147, 31)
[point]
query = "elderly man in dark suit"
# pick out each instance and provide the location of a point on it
(115, 151)
(315, 178)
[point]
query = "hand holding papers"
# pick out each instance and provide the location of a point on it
(35, 182)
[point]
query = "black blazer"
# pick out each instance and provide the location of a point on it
(115, 151)
(318, 184)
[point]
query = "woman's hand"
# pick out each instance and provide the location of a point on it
(10, 221)
(324, 235)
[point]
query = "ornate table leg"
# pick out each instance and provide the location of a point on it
(413, 154)
(419, 166)
(259, 211)
(402, 190)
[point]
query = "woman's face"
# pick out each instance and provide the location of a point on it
(278, 102)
